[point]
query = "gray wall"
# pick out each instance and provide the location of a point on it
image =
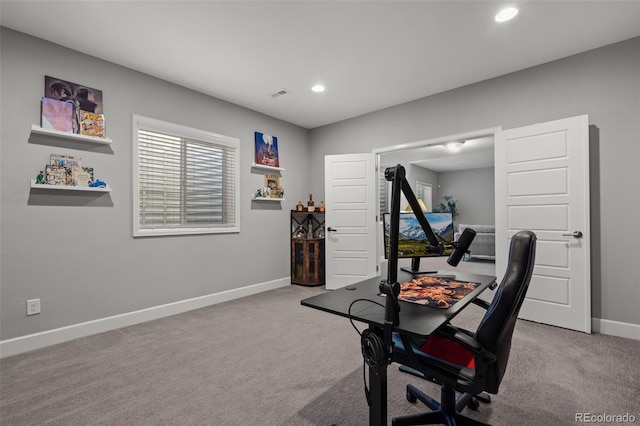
(603, 83)
(78, 256)
(417, 173)
(474, 191)
(76, 253)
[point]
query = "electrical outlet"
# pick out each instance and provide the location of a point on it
(33, 307)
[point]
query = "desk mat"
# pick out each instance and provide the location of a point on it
(434, 291)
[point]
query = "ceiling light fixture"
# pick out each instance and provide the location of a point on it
(454, 147)
(506, 14)
(318, 88)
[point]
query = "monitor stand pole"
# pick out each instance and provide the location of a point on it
(415, 268)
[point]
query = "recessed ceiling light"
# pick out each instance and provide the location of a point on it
(454, 147)
(506, 14)
(318, 88)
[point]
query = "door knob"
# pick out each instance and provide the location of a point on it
(575, 234)
(330, 229)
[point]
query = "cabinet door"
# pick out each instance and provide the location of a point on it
(297, 261)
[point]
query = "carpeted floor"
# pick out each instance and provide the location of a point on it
(266, 360)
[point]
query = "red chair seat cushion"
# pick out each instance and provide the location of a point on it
(449, 351)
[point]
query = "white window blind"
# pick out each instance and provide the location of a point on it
(186, 180)
(384, 187)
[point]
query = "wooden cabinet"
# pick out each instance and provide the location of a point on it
(307, 248)
(307, 261)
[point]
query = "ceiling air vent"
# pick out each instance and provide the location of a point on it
(279, 93)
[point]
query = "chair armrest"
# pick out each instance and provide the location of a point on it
(467, 340)
(460, 335)
(482, 303)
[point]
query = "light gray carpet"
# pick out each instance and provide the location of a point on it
(266, 360)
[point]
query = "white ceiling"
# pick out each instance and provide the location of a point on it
(369, 54)
(475, 154)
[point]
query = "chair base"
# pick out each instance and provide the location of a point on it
(444, 413)
(462, 399)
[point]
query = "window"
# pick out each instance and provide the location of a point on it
(384, 187)
(423, 191)
(185, 181)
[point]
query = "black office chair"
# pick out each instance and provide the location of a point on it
(469, 363)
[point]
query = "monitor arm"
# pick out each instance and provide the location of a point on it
(390, 287)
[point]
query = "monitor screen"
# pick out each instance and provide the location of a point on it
(412, 241)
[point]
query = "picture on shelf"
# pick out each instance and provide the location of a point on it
(81, 98)
(273, 183)
(57, 115)
(55, 175)
(91, 124)
(86, 98)
(266, 150)
(65, 160)
(81, 176)
(65, 170)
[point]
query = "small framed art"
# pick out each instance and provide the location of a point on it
(266, 150)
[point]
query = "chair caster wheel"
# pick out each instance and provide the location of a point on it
(483, 397)
(473, 404)
(411, 398)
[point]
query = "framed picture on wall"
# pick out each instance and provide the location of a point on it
(266, 150)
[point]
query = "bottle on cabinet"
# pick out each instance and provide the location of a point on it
(300, 207)
(310, 204)
(300, 232)
(321, 207)
(310, 233)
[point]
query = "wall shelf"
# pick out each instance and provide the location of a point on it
(69, 136)
(267, 199)
(68, 188)
(260, 166)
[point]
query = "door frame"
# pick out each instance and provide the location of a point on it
(475, 134)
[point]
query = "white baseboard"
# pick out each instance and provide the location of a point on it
(59, 335)
(615, 328)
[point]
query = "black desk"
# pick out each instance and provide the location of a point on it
(417, 320)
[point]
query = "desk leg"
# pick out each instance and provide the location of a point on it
(378, 385)
(378, 390)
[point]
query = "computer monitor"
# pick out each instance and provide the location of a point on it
(412, 241)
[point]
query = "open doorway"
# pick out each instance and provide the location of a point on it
(463, 171)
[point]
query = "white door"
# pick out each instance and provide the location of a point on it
(350, 219)
(542, 184)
